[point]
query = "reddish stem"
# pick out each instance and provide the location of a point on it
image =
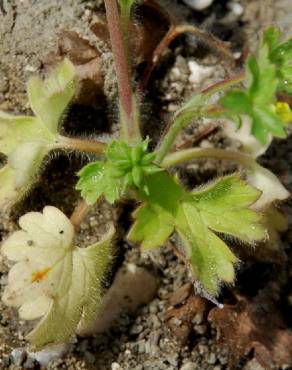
(121, 65)
(223, 84)
(79, 213)
(82, 145)
(202, 132)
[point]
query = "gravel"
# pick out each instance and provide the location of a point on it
(140, 340)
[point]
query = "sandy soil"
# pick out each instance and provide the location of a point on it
(141, 340)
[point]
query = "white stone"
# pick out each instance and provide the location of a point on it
(189, 366)
(50, 353)
(198, 4)
(116, 366)
(236, 9)
(198, 72)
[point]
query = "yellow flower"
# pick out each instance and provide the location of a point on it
(283, 110)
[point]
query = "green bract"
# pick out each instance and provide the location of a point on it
(125, 166)
(26, 140)
(258, 102)
(52, 278)
(61, 284)
(221, 207)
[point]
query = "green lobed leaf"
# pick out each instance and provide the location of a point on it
(27, 140)
(285, 83)
(262, 79)
(210, 258)
(258, 102)
(280, 54)
(17, 129)
(8, 191)
(237, 101)
(155, 217)
(125, 166)
(271, 37)
(25, 161)
(96, 179)
(223, 207)
(50, 97)
(266, 121)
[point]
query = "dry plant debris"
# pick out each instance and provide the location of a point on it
(254, 326)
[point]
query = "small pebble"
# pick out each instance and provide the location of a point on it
(116, 366)
(89, 357)
(30, 68)
(18, 356)
(200, 329)
(188, 366)
(30, 363)
(211, 359)
(49, 354)
(141, 346)
(136, 329)
(4, 85)
(198, 4)
(198, 72)
(236, 8)
(253, 365)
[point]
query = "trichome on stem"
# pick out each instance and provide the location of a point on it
(55, 280)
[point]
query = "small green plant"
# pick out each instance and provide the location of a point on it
(62, 284)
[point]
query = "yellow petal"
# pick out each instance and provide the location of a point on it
(283, 110)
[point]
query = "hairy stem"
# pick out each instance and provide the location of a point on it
(224, 84)
(79, 214)
(188, 155)
(200, 134)
(125, 26)
(128, 108)
(171, 134)
(190, 112)
(82, 145)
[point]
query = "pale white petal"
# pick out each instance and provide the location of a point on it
(60, 322)
(268, 183)
(249, 144)
(20, 246)
(60, 224)
(17, 247)
(52, 228)
(29, 279)
(20, 288)
(35, 309)
(53, 278)
(81, 299)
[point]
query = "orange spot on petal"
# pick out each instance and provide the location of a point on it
(40, 275)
